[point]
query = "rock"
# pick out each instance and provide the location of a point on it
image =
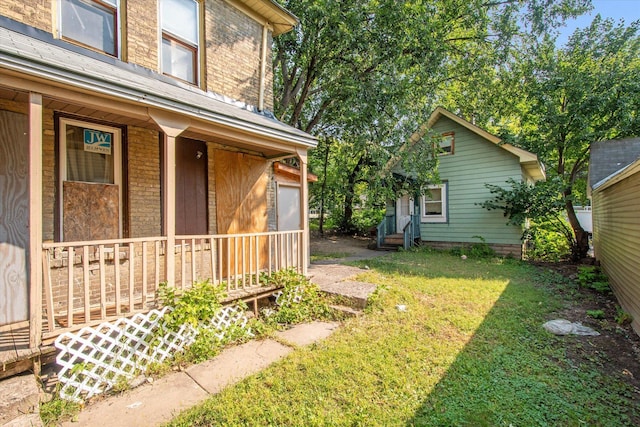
(565, 327)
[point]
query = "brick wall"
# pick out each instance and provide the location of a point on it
(142, 33)
(36, 13)
(145, 201)
(232, 52)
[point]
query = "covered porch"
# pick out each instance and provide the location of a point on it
(190, 195)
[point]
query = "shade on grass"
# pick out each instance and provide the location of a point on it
(469, 350)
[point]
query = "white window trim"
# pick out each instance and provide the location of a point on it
(198, 45)
(58, 29)
(445, 202)
(62, 165)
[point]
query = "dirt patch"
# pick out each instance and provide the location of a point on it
(616, 351)
(341, 247)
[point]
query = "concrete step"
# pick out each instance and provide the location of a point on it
(346, 311)
(350, 293)
(19, 401)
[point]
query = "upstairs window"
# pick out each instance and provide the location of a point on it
(434, 204)
(446, 144)
(179, 20)
(91, 23)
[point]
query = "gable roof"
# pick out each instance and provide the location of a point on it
(609, 157)
(528, 160)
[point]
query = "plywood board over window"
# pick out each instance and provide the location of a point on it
(14, 210)
(241, 200)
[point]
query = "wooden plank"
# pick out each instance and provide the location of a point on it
(132, 262)
(48, 294)
(193, 260)
(71, 253)
(116, 272)
(87, 283)
(103, 287)
(145, 272)
(157, 265)
(183, 265)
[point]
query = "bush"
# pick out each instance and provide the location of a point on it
(544, 244)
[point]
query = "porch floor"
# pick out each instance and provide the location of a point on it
(15, 354)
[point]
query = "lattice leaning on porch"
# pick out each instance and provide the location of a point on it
(93, 360)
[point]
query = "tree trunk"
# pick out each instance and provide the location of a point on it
(581, 246)
(347, 219)
(323, 189)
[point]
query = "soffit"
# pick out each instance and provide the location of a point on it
(280, 19)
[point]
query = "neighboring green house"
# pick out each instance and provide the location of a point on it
(470, 158)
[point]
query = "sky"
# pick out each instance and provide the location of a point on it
(629, 10)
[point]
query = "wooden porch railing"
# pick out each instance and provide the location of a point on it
(86, 283)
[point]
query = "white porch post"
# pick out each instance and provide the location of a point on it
(35, 219)
(172, 126)
(304, 209)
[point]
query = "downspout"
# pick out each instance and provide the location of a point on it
(263, 67)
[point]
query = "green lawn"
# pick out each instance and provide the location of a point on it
(468, 351)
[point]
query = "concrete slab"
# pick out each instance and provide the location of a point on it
(19, 395)
(326, 274)
(356, 292)
(236, 363)
(148, 405)
(308, 333)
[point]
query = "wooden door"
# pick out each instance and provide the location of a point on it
(14, 214)
(191, 187)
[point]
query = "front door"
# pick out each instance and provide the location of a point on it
(14, 213)
(191, 187)
(404, 210)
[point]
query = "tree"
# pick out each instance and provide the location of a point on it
(363, 74)
(584, 92)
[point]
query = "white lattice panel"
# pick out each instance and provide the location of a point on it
(93, 359)
(287, 299)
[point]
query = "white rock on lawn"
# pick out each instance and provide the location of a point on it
(565, 327)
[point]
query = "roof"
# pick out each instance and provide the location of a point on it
(617, 176)
(36, 54)
(528, 160)
(280, 18)
(609, 157)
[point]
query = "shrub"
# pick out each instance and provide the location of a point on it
(593, 278)
(545, 244)
(622, 317)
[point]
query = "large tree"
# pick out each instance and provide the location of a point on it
(567, 98)
(363, 74)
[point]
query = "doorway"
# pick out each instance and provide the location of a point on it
(191, 187)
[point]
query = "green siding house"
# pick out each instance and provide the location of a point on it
(449, 215)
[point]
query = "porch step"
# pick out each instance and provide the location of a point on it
(350, 293)
(19, 401)
(346, 311)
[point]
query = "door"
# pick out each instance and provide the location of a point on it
(288, 200)
(404, 210)
(14, 214)
(191, 187)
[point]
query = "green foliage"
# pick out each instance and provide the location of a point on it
(544, 243)
(593, 278)
(622, 317)
(596, 314)
(479, 249)
(301, 300)
(58, 410)
(199, 303)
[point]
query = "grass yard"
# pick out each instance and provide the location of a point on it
(469, 350)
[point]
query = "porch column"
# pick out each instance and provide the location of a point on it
(35, 219)
(304, 209)
(172, 126)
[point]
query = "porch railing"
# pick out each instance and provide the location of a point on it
(86, 283)
(411, 232)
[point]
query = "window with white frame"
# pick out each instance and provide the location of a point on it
(446, 143)
(434, 204)
(91, 23)
(180, 41)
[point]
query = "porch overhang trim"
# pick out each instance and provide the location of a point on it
(33, 58)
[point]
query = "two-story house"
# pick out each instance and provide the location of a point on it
(136, 147)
